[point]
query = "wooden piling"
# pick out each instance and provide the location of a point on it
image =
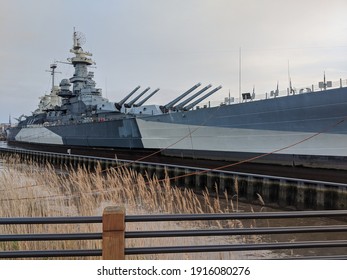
(113, 227)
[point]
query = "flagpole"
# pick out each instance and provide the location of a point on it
(240, 75)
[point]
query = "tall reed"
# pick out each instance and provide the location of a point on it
(31, 190)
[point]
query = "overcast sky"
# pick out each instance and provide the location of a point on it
(170, 44)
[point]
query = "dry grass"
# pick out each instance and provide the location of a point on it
(29, 190)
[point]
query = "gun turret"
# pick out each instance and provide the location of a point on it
(190, 106)
(173, 102)
(145, 99)
(120, 103)
(181, 105)
(128, 105)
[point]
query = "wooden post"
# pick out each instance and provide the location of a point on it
(113, 227)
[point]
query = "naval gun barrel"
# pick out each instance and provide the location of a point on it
(191, 105)
(145, 99)
(173, 102)
(181, 105)
(120, 103)
(128, 105)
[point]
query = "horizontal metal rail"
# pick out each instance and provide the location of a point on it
(50, 220)
(50, 237)
(50, 254)
(235, 231)
(236, 247)
(238, 216)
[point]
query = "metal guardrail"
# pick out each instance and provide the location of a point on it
(114, 221)
(50, 237)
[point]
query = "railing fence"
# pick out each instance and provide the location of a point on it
(114, 234)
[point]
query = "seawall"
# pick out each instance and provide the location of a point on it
(274, 191)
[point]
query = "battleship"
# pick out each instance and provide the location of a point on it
(304, 126)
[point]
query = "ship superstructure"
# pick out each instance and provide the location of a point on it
(79, 100)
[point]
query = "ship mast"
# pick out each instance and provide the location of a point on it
(53, 66)
(81, 61)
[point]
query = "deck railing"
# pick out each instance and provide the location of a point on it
(275, 93)
(114, 234)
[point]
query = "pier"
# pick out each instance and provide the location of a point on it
(275, 191)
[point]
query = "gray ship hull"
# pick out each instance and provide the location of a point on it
(307, 126)
(121, 133)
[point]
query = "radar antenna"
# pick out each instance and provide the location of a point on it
(79, 39)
